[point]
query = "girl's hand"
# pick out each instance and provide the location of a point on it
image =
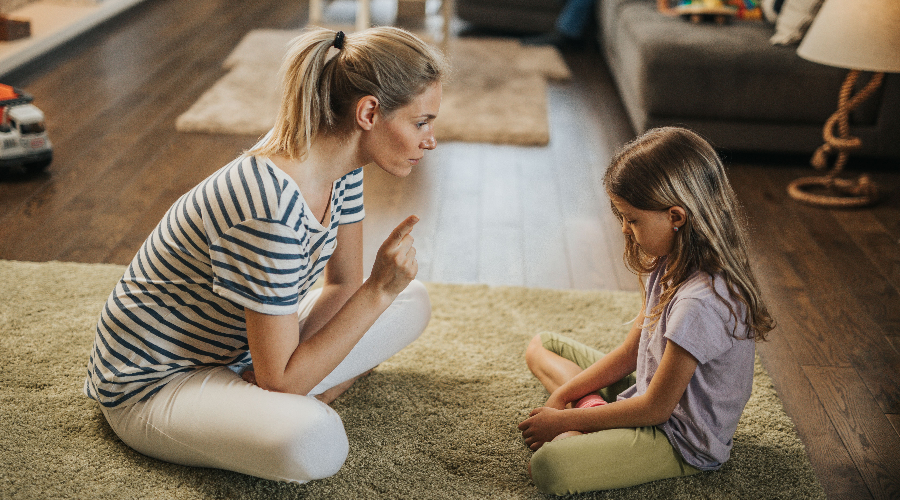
(556, 401)
(249, 376)
(395, 264)
(542, 426)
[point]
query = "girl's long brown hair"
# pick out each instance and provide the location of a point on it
(672, 166)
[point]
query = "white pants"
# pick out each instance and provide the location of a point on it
(210, 417)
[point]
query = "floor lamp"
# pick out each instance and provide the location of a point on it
(859, 35)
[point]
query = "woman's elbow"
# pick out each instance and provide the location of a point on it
(270, 385)
(276, 384)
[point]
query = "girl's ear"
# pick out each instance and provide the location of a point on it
(677, 216)
(367, 112)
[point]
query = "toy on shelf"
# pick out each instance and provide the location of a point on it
(720, 11)
(23, 134)
(748, 10)
(13, 29)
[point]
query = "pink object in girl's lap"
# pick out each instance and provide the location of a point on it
(590, 401)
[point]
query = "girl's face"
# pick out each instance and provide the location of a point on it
(652, 230)
(399, 141)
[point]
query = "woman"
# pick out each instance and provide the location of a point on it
(224, 280)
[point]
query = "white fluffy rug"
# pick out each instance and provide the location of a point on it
(497, 92)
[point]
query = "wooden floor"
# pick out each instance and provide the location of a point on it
(503, 215)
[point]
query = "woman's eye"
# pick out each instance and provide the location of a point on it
(421, 124)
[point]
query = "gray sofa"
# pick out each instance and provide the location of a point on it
(513, 16)
(727, 82)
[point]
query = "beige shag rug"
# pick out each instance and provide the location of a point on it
(436, 421)
(497, 92)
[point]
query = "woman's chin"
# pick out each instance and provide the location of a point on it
(397, 170)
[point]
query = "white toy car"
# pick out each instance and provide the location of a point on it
(23, 134)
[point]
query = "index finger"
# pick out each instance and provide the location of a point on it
(405, 227)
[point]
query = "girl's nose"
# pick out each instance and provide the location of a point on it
(626, 229)
(430, 142)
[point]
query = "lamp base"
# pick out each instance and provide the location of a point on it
(842, 193)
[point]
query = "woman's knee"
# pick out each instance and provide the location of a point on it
(415, 308)
(419, 300)
(309, 445)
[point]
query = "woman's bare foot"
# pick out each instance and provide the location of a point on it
(331, 394)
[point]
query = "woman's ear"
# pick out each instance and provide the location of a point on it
(677, 216)
(367, 112)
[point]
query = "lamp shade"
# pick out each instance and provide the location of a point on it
(855, 34)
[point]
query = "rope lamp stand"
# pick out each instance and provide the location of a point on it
(840, 193)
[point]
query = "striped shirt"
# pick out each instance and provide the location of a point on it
(244, 237)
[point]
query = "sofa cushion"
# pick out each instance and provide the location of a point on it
(672, 68)
(518, 16)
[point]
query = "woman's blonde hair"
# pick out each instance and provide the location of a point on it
(320, 93)
(672, 166)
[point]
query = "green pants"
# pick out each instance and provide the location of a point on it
(614, 458)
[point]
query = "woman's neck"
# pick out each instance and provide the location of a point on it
(329, 159)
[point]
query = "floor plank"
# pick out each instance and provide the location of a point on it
(895, 421)
(829, 457)
(864, 429)
(781, 262)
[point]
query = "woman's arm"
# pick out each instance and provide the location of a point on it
(606, 371)
(283, 363)
(653, 407)
(342, 278)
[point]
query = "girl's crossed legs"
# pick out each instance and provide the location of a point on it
(613, 458)
(210, 417)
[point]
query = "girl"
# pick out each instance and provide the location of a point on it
(224, 280)
(691, 348)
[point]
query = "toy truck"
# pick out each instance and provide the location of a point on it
(23, 135)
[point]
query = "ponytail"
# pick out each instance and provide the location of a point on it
(321, 86)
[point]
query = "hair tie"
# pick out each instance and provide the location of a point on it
(339, 40)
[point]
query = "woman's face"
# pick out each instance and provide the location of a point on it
(652, 230)
(399, 141)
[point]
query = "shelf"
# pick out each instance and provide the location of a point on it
(53, 24)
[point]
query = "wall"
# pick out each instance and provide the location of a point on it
(7, 6)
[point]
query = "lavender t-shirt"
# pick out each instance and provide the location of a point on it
(702, 425)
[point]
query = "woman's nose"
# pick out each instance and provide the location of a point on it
(430, 142)
(625, 228)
